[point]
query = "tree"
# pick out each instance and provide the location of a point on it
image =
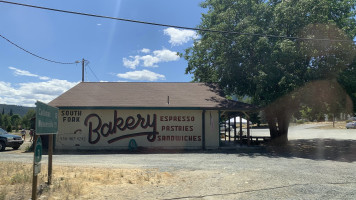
(6, 121)
(324, 97)
(26, 120)
(268, 68)
(15, 121)
(11, 113)
(347, 80)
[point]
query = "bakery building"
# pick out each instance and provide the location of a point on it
(115, 115)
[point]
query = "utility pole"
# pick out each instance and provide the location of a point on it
(83, 69)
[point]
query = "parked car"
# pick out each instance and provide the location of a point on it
(352, 118)
(351, 125)
(8, 140)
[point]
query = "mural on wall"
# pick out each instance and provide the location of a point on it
(112, 127)
(119, 124)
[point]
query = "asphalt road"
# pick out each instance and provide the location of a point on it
(317, 164)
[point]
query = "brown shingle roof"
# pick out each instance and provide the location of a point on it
(147, 95)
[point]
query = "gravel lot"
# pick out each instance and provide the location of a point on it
(317, 164)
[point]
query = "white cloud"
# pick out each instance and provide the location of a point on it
(144, 75)
(166, 55)
(19, 72)
(151, 60)
(144, 50)
(178, 36)
(26, 94)
(132, 64)
(98, 24)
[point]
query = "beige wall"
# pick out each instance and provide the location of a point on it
(113, 129)
(212, 129)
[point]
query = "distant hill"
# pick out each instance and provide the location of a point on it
(20, 110)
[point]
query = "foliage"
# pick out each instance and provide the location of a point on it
(9, 128)
(6, 121)
(26, 120)
(16, 121)
(323, 97)
(311, 115)
(300, 121)
(29, 148)
(347, 80)
(273, 70)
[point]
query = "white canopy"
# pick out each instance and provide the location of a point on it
(244, 121)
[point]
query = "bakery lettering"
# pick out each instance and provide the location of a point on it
(120, 124)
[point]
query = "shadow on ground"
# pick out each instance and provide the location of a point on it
(315, 149)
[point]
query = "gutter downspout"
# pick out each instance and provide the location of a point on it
(219, 139)
(203, 129)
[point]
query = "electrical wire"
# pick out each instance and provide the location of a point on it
(93, 73)
(87, 65)
(49, 60)
(174, 26)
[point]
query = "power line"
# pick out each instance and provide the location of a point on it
(49, 60)
(174, 26)
(87, 65)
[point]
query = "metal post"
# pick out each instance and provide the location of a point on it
(235, 129)
(225, 131)
(229, 131)
(219, 129)
(83, 70)
(248, 131)
(50, 153)
(240, 130)
(203, 130)
(34, 177)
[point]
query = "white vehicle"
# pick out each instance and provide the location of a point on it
(351, 125)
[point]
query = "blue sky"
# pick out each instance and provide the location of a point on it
(116, 50)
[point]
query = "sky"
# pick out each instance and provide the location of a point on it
(116, 51)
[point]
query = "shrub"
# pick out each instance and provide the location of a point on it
(29, 148)
(300, 121)
(9, 128)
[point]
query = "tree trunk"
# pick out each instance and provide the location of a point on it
(278, 126)
(283, 124)
(333, 120)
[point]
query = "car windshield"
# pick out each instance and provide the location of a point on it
(2, 131)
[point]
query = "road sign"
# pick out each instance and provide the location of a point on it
(46, 119)
(38, 150)
(37, 168)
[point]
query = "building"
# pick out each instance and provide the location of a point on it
(116, 115)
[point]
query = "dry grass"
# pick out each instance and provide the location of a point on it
(329, 125)
(15, 181)
(72, 182)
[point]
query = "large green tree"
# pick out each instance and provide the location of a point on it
(277, 48)
(26, 120)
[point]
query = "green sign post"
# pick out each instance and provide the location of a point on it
(38, 156)
(38, 150)
(46, 124)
